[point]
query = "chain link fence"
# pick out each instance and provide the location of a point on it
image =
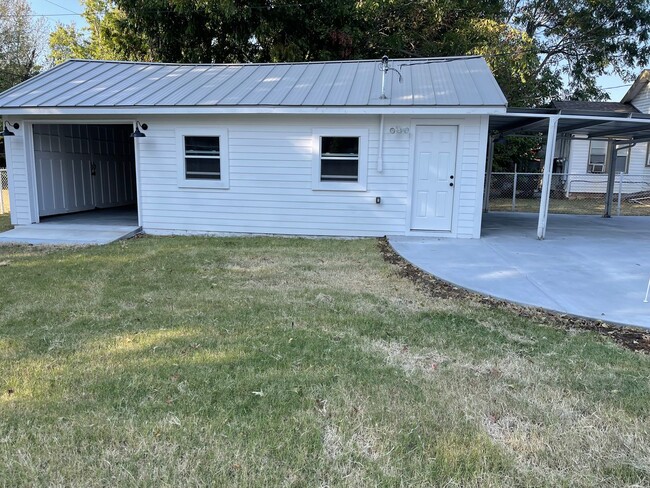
(4, 192)
(582, 194)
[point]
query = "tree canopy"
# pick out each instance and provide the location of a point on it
(22, 45)
(536, 48)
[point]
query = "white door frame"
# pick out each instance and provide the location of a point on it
(459, 122)
(31, 157)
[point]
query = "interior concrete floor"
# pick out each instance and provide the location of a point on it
(587, 266)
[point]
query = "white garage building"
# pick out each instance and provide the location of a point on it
(355, 148)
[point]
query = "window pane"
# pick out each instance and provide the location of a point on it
(340, 146)
(621, 160)
(202, 145)
(203, 168)
(339, 170)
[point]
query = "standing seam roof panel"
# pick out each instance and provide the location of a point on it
(178, 78)
(361, 89)
(29, 86)
(220, 93)
(462, 81)
(149, 94)
(248, 86)
(319, 93)
(131, 87)
(301, 89)
(340, 91)
(281, 90)
(200, 74)
(443, 84)
(70, 98)
(119, 88)
(217, 87)
(110, 87)
(41, 97)
(269, 82)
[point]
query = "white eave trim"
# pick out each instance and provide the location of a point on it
(388, 110)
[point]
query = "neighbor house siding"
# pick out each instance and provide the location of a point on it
(642, 100)
(580, 181)
(270, 188)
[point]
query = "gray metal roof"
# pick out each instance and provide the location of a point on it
(427, 82)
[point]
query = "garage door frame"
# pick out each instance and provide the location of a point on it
(31, 158)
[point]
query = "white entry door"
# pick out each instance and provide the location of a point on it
(435, 179)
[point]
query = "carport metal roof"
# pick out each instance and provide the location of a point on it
(621, 128)
(615, 125)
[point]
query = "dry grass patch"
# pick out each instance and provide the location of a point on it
(295, 362)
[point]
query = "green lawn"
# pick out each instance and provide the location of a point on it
(295, 362)
(575, 206)
(5, 223)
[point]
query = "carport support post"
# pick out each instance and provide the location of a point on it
(548, 174)
(611, 177)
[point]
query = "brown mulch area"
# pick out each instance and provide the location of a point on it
(629, 337)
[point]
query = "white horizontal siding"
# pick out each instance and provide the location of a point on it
(642, 100)
(18, 175)
(271, 184)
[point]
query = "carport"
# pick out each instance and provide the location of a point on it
(621, 129)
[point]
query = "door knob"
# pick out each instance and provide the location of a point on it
(451, 184)
(451, 177)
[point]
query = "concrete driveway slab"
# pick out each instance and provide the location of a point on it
(587, 266)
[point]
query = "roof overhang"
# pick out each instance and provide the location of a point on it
(634, 127)
(221, 110)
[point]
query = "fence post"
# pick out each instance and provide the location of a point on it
(514, 190)
(2, 193)
(620, 193)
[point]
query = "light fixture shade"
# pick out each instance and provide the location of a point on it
(7, 132)
(137, 132)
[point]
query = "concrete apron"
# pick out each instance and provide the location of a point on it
(67, 235)
(587, 266)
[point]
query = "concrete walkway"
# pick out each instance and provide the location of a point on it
(84, 228)
(587, 266)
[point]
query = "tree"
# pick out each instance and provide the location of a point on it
(107, 36)
(582, 39)
(532, 45)
(22, 44)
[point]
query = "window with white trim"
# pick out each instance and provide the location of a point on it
(598, 158)
(203, 158)
(340, 159)
(647, 155)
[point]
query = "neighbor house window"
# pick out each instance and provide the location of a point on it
(340, 159)
(647, 155)
(598, 158)
(203, 158)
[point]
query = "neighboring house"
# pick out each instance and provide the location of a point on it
(330, 148)
(584, 161)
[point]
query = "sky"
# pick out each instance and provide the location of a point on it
(64, 10)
